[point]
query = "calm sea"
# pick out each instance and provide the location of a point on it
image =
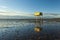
(24, 30)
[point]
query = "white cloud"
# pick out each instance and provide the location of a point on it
(3, 7)
(16, 13)
(6, 12)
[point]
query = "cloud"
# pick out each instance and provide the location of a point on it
(16, 13)
(25, 14)
(11, 13)
(3, 7)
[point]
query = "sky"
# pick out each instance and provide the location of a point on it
(27, 7)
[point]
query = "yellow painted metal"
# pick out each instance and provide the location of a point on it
(38, 14)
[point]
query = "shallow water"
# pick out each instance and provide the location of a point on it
(24, 30)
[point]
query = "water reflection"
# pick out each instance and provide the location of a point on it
(24, 30)
(37, 29)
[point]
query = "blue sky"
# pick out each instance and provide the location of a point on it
(17, 7)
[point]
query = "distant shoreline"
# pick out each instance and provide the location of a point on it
(49, 20)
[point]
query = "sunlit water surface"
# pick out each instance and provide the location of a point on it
(24, 30)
